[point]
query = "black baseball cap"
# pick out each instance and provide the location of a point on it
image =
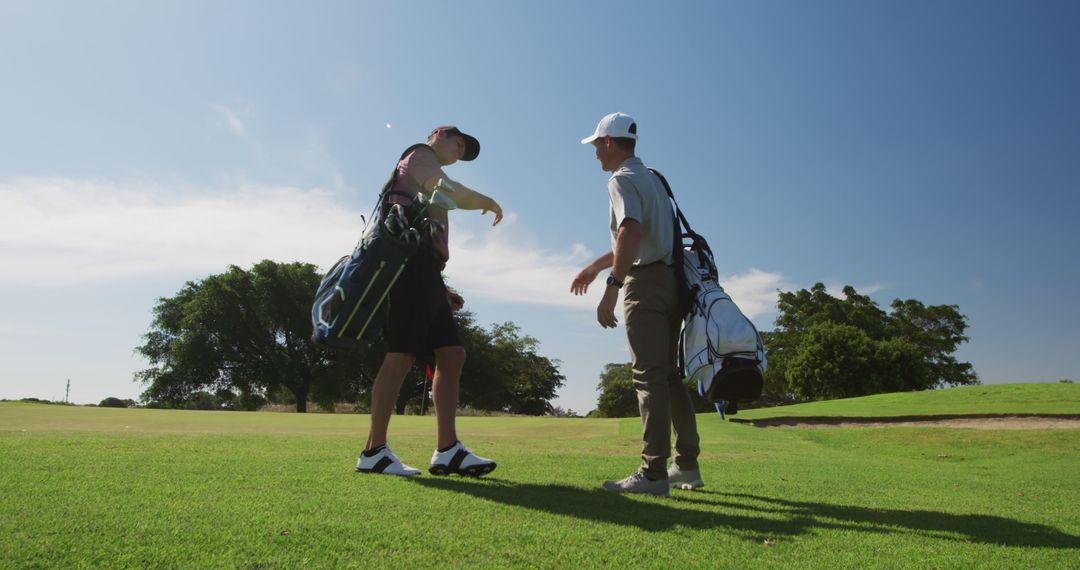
(472, 146)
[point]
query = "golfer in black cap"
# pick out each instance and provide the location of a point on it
(419, 322)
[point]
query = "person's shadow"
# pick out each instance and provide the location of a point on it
(752, 516)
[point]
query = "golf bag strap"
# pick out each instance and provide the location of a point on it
(387, 189)
(671, 195)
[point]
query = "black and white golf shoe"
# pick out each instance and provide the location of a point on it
(458, 459)
(385, 462)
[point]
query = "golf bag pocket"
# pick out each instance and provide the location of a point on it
(720, 349)
(350, 303)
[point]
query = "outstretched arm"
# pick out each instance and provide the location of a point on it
(466, 198)
(581, 282)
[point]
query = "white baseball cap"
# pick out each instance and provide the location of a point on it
(615, 125)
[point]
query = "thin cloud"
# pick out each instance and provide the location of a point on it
(755, 292)
(57, 232)
(506, 268)
(231, 120)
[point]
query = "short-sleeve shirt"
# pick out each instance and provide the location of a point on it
(413, 170)
(637, 194)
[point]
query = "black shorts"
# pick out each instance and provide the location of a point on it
(418, 316)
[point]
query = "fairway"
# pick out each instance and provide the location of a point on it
(111, 488)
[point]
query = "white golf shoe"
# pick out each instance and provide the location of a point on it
(685, 480)
(458, 459)
(638, 483)
(385, 462)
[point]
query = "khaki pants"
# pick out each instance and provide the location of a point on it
(652, 326)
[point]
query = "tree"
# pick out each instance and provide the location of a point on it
(937, 331)
(618, 398)
(241, 338)
(829, 347)
(832, 361)
(504, 372)
(246, 332)
(112, 402)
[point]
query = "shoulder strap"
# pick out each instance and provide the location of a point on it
(393, 176)
(388, 188)
(696, 239)
(685, 294)
(671, 195)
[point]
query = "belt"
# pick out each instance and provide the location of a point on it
(657, 262)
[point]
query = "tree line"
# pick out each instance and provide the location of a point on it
(241, 339)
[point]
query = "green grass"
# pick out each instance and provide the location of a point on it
(1031, 398)
(113, 488)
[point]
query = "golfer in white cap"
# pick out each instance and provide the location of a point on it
(641, 262)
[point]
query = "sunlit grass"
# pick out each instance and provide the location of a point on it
(109, 488)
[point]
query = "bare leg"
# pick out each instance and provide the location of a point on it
(444, 391)
(385, 394)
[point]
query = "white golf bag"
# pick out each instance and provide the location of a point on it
(719, 349)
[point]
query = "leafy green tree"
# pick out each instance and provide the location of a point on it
(618, 398)
(832, 361)
(504, 372)
(112, 402)
(829, 347)
(247, 332)
(937, 331)
(242, 338)
(899, 366)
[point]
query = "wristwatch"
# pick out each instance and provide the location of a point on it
(613, 282)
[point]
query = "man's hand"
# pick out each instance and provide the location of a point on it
(493, 206)
(605, 311)
(456, 301)
(580, 284)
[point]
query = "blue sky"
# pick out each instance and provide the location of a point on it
(926, 150)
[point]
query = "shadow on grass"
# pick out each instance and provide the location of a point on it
(752, 516)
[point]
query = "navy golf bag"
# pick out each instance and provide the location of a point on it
(350, 304)
(719, 348)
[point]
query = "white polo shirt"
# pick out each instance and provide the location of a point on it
(638, 194)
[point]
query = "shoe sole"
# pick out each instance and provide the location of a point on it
(370, 472)
(478, 470)
(614, 489)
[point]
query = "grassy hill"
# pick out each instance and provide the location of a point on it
(1030, 398)
(96, 487)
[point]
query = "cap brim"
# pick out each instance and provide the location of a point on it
(589, 139)
(472, 147)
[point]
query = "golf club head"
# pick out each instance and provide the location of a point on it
(434, 227)
(395, 221)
